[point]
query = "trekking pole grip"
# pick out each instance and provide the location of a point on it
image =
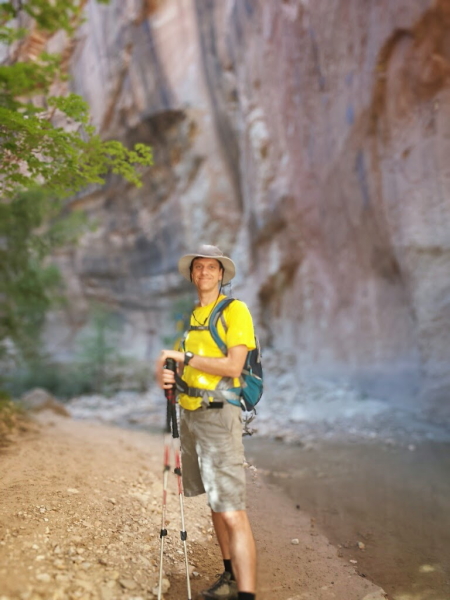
(171, 365)
(172, 424)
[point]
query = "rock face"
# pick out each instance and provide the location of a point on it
(307, 139)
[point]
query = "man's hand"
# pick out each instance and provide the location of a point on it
(166, 377)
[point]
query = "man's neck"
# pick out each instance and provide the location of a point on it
(206, 298)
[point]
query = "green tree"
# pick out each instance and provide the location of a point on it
(41, 163)
(34, 150)
(98, 354)
(30, 228)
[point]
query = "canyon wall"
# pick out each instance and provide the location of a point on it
(308, 139)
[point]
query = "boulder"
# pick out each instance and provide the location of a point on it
(37, 400)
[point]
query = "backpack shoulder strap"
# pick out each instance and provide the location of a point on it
(217, 314)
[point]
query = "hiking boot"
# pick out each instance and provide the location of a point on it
(223, 589)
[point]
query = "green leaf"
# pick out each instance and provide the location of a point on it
(41, 163)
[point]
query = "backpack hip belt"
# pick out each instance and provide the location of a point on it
(219, 396)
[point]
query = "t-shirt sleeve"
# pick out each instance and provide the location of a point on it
(240, 325)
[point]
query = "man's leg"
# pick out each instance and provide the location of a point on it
(221, 534)
(221, 459)
(236, 541)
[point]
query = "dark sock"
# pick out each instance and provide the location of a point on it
(246, 596)
(228, 567)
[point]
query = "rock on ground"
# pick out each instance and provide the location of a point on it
(39, 399)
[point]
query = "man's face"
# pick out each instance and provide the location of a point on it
(206, 273)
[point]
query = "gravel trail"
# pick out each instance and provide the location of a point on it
(80, 514)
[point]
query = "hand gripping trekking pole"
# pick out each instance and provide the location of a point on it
(172, 437)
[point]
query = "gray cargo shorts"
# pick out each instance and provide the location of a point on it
(212, 456)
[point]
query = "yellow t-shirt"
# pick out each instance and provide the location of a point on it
(239, 332)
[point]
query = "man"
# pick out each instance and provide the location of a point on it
(211, 430)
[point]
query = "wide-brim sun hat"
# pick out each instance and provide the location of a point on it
(206, 251)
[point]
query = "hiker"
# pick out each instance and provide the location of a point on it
(210, 426)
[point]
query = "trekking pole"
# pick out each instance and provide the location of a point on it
(177, 452)
(172, 432)
(166, 468)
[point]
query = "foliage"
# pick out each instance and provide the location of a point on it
(98, 352)
(96, 359)
(42, 162)
(63, 381)
(28, 285)
(35, 150)
(11, 414)
(98, 366)
(50, 16)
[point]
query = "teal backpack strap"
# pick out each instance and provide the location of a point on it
(217, 314)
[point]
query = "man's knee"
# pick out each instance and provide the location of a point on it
(234, 518)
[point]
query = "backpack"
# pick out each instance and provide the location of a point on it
(249, 393)
(251, 377)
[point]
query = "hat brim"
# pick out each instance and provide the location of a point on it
(229, 267)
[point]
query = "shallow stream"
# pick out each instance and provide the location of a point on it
(384, 506)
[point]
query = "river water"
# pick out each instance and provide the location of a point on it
(385, 506)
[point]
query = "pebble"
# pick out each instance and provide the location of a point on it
(377, 595)
(165, 587)
(44, 577)
(111, 584)
(427, 569)
(128, 584)
(295, 541)
(106, 593)
(86, 585)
